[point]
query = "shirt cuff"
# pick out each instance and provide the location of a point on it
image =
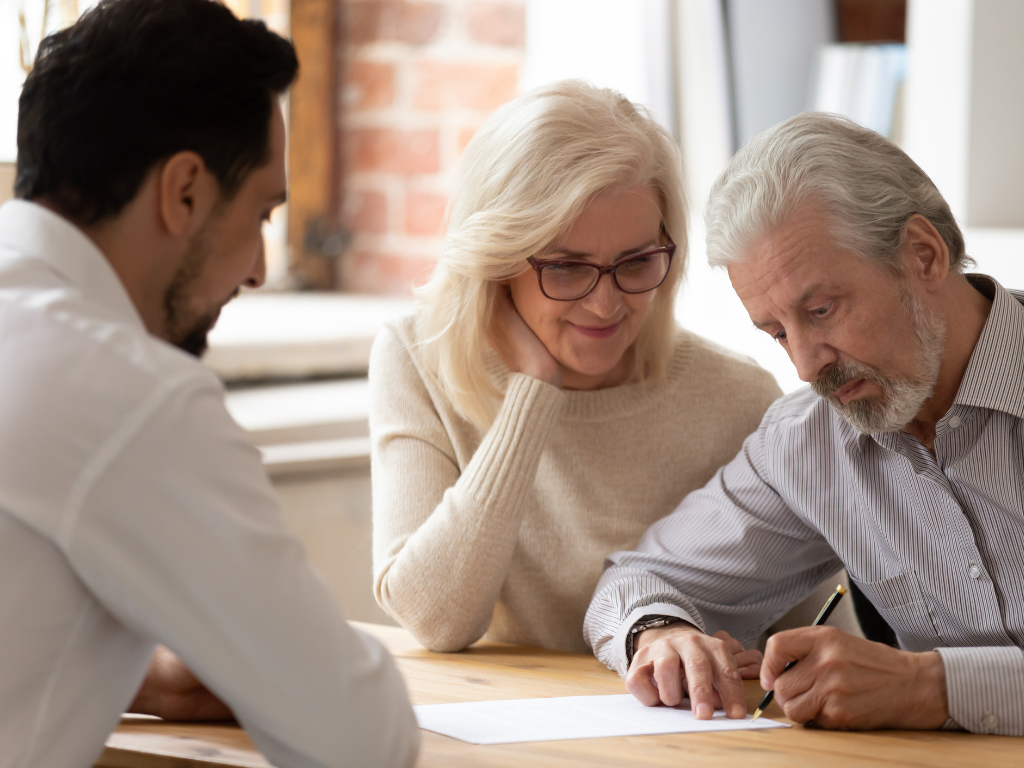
(985, 688)
(659, 609)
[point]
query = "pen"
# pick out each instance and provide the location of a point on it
(826, 611)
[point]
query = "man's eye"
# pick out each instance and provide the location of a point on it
(779, 336)
(822, 311)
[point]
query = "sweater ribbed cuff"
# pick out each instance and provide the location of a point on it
(507, 458)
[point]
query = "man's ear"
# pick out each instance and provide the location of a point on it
(925, 254)
(188, 194)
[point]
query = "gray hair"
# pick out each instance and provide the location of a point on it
(866, 185)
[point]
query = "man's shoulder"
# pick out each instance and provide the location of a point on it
(802, 421)
(795, 408)
(79, 384)
(45, 324)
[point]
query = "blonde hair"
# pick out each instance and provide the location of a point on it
(523, 180)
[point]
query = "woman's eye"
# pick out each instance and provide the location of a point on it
(779, 336)
(635, 265)
(562, 269)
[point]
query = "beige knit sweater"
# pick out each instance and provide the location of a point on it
(505, 533)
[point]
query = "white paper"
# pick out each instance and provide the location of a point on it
(569, 717)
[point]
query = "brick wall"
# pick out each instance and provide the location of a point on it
(419, 79)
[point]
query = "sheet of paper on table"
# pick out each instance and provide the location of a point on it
(568, 717)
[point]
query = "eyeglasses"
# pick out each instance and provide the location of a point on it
(567, 280)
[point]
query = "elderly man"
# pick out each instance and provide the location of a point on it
(903, 462)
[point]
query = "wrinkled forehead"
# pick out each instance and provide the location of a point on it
(803, 255)
(797, 249)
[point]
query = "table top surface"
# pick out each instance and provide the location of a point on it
(498, 671)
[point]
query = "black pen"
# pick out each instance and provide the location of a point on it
(826, 611)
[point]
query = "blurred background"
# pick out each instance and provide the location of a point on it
(390, 92)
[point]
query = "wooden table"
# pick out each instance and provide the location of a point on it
(497, 671)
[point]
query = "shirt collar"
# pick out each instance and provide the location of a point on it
(36, 232)
(995, 373)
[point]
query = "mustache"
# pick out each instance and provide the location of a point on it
(841, 374)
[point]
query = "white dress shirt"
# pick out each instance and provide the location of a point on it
(133, 510)
(936, 542)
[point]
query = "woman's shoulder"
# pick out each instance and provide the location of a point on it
(397, 335)
(702, 362)
(394, 356)
(404, 395)
(396, 344)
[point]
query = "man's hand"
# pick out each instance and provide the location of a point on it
(518, 345)
(172, 692)
(849, 683)
(678, 660)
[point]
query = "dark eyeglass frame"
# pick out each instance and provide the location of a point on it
(540, 264)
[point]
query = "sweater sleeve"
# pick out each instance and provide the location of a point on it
(443, 538)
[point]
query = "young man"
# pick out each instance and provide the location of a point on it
(902, 462)
(132, 509)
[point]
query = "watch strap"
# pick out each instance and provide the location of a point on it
(651, 621)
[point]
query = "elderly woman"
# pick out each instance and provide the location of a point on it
(541, 409)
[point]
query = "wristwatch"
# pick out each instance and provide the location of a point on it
(652, 621)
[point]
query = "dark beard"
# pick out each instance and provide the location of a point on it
(185, 330)
(195, 341)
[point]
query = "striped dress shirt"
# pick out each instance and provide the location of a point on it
(935, 542)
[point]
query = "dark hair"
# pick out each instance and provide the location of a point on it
(136, 81)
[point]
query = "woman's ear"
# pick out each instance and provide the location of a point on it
(505, 289)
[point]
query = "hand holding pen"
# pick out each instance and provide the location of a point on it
(826, 611)
(844, 681)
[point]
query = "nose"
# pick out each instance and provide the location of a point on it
(811, 355)
(258, 274)
(604, 300)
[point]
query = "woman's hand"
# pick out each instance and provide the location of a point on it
(519, 347)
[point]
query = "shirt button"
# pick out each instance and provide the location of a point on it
(975, 571)
(990, 722)
(954, 422)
